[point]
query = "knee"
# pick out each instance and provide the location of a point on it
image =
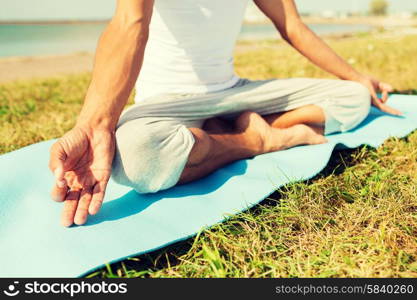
(360, 92)
(362, 100)
(357, 105)
(149, 158)
(130, 164)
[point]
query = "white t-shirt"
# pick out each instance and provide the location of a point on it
(190, 47)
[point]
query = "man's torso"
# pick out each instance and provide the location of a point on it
(190, 47)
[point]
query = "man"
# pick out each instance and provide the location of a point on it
(193, 114)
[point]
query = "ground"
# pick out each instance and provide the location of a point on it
(357, 218)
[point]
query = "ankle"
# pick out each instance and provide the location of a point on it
(255, 132)
(254, 143)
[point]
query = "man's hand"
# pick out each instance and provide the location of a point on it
(81, 162)
(375, 87)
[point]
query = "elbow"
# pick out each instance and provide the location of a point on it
(293, 31)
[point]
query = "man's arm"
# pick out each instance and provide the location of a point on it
(284, 15)
(118, 60)
(81, 160)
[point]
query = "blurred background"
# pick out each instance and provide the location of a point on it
(311, 229)
(31, 28)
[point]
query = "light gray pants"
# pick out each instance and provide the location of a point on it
(152, 137)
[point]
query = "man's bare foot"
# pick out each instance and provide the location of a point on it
(302, 134)
(263, 138)
(251, 136)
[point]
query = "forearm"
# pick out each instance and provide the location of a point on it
(318, 52)
(118, 60)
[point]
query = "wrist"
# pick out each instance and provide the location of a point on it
(98, 135)
(361, 78)
(99, 113)
(356, 76)
(95, 118)
(95, 123)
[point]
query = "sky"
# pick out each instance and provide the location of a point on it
(102, 9)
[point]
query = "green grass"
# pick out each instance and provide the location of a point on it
(357, 218)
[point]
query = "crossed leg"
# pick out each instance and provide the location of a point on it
(164, 143)
(219, 143)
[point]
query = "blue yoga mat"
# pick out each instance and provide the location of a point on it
(33, 243)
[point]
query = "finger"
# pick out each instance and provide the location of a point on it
(98, 196)
(385, 86)
(58, 193)
(375, 100)
(70, 207)
(56, 163)
(60, 177)
(389, 110)
(384, 96)
(82, 208)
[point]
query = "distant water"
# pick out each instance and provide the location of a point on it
(26, 40)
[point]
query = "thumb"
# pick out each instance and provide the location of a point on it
(57, 164)
(59, 175)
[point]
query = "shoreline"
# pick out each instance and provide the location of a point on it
(387, 21)
(53, 22)
(239, 44)
(42, 56)
(15, 68)
(392, 20)
(34, 67)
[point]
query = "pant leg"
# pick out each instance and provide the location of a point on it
(153, 141)
(345, 103)
(151, 153)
